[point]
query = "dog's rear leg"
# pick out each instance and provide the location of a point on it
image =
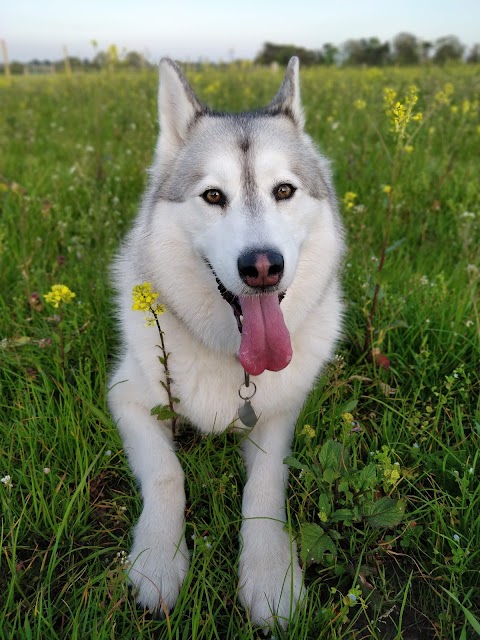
(159, 556)
(270, 577)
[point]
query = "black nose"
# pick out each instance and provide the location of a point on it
(261, 268)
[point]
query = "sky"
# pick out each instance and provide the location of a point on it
(220, 30)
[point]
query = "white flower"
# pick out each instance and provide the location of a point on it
(46, 470)
(7, 481)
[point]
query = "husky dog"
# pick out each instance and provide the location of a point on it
(239, 233)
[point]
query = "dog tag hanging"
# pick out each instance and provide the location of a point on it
(246, 412)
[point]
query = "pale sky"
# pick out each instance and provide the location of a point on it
(215, 29)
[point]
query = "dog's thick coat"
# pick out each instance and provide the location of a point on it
(226, 193)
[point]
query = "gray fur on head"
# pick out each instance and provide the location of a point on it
(179, 107)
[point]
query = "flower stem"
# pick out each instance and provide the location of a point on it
(168, 379)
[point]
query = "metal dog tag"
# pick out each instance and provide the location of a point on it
(247, 415)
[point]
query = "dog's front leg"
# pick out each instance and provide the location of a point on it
(270, 576)
(159, 556)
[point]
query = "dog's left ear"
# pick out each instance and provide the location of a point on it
(287, 100)
(177, 104)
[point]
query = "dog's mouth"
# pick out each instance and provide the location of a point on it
(265, 340)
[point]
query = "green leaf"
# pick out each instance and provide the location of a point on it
(331, 454)
(163, 412)
(330, 475)
(368, 476)
(315, 543)
(294, 463)
(342, 515)
(384, 512)
(348, 407)
(324, 504)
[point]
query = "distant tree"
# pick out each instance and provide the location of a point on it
(100, 60)
(133, 59)
(282, 53)
(407, 49)
(16, 68)
(330, 53)
(474, 54)
(448, 48)
(366, 51)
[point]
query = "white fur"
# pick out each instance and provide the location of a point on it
(168, 246)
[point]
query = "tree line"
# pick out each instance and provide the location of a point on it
(404, 49)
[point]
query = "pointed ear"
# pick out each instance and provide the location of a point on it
(287, 100)
(177, 104)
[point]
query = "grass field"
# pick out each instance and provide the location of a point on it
(407, 422)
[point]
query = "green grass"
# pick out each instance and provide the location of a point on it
(72, 167)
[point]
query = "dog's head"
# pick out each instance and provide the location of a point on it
(254, 198)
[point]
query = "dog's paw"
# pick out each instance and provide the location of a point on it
(271, 582)
(158, 566)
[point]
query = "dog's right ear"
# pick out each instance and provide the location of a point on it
(177, 104)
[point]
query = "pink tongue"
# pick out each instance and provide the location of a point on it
(265, 338)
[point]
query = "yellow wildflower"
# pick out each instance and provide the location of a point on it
(408, 148)
(360, 104)
(59, 293)
(347, 418)
(308, 431)
(387, 189)
(391, 475)
(401, 113)
(349, 199)
(144, 297)
(389, 96)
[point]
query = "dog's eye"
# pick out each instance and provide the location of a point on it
(283, 191)
(214, 196)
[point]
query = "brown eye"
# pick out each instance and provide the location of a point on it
(284, 191)
(214, 196)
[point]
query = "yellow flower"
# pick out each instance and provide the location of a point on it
(408, 148)
(389, 96)
(349, 199)
(143, 299)
(347, 418)
(401, 113)
(360, 104)
(387, 189)
(391, 475)
(308, 431)
(59, 293)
